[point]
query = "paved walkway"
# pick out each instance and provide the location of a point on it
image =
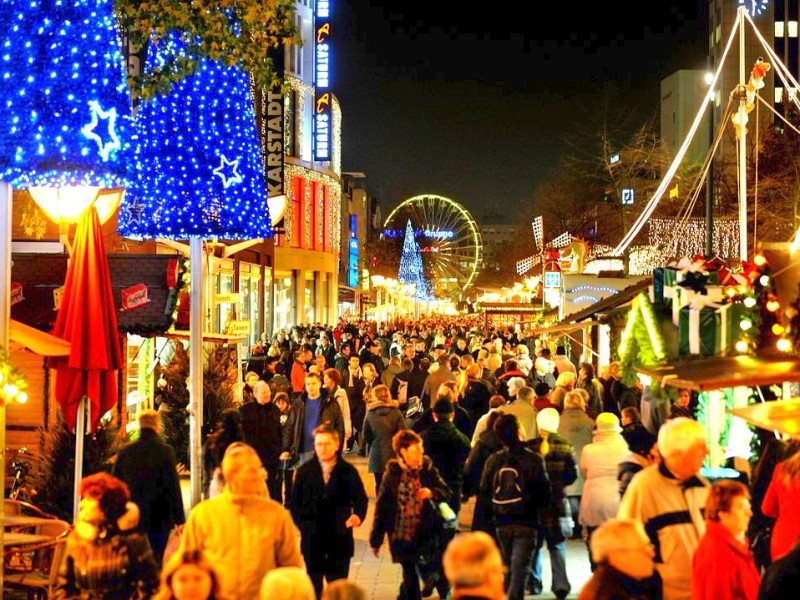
(381, 578)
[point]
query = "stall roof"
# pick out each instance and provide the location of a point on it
(37, 341)
(208, 337)
(725, 372)
(780, 415)
(623, 296)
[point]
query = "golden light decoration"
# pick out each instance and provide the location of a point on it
(759, 260)
(773, 305)
(784, 345)
(778, 329)
(12, 382)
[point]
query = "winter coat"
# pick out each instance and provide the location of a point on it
(448, 448)
(576, 427)
(561, 471)
(115, 563)
(536, 489)
(389, 373)
(629, 466)
(262, 430)
(672, 514)
(383, 420)
(476, 399)
(526, 415)
(595, 389)
(149, 469)
(723, 568)
(320, 510)
(244, 537)
(607, 583)
(599, 465)
(780, 503)
(488, 443)
(386, 508)
(330, 413)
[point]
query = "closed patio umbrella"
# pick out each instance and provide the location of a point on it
(88, 320)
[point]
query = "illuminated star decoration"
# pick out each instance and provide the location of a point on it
(131, 213)
(56, 57)
(89, 130)
(228, 165)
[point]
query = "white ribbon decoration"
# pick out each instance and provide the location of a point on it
(696, 304)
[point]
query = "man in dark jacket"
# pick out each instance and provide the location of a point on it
(516, 523)
(149, 469)
(327, 503)
(310, 409)
(448, 449)
(261, 423)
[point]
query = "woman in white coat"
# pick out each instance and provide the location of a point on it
(599, 463)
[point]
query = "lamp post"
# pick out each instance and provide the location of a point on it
(709, 78)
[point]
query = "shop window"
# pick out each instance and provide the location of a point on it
(284, 300)
(310, 298)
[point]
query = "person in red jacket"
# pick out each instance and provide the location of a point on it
(723, 568)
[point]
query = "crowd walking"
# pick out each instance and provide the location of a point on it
(442, 415)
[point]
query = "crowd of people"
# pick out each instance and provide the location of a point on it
(548, 448)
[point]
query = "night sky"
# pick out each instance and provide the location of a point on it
(475, 105)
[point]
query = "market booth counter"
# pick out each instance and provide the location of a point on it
(725, 386)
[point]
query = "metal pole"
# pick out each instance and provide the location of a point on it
(742, 146)
(197, 265)
(80, 435)
(5, 316)
(710, 174)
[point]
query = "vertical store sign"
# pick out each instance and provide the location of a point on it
(322, 83)
(269, 117)
(352, 271)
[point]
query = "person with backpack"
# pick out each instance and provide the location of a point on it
(516, 480)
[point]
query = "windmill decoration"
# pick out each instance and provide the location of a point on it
(562, 241)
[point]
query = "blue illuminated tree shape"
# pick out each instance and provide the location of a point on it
(411, 270)
(65, 108)
(198, 168)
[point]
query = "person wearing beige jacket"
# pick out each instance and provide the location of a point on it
(244, 533)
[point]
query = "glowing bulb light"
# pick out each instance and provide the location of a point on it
(773, 305)
(745, 324)
(778, 329)
(784, 345)
(741, 346)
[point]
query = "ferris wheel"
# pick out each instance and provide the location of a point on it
(448, 238)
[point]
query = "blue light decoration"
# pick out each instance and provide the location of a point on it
(198, 169)
(323, 116)
(411, 270)
(66, 109)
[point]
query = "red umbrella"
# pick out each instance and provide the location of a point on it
(88, 320)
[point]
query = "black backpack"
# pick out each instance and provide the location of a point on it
(507, 496)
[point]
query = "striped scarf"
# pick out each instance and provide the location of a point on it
(407, 507)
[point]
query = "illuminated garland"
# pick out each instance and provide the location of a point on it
(198, 164)
(65, 116)
(12, 382)
(690, 238)
(334, 198)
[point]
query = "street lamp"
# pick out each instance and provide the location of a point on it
(66, 204)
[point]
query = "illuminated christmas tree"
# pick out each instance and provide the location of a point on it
(66, 104)
(198, 167)
(411, 271)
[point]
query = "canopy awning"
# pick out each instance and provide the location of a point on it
(36, 341)
(208, 337)
(779, 415)
(562, 328)
(726, 372)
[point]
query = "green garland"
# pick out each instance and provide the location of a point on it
(244, 33)
(170, 312)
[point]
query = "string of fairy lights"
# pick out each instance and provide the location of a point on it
(198, 168)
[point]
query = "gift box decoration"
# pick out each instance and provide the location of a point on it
(707, 328)
(684, 296)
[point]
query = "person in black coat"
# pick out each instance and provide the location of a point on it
(328, 501)
(261, 424)
(411, 489)
(149, 469)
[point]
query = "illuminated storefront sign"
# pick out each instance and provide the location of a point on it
(322, 82)
(352, 271)
(431, 234)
